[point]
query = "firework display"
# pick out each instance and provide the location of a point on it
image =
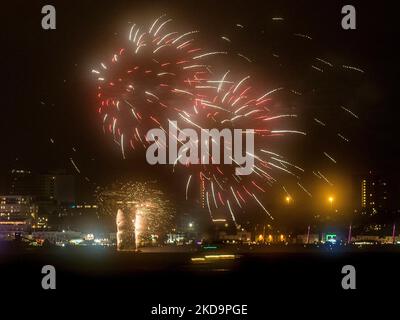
(164, 77)
(143, 214)
(234, 104)
(144, 82)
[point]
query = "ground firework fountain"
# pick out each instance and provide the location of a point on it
(125, 231)
(139, 227)
(143, 213)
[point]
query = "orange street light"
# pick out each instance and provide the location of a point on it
(331, 199)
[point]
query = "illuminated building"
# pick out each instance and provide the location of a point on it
(41, 223)
(48, 191)
(241, 236)
(56, 237)
(202, 192)
(363, 193)
(176, 238)
(82, 217)
(76, 210)
(374, 194)
(16, 213)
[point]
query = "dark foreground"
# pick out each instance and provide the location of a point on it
(294, 281)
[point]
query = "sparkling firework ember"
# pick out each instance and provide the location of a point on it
(229, 105)
(148, 80)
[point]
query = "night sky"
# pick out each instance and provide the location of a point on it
(48, 91)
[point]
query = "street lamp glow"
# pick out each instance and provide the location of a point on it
(331, 199)
(288, 199)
